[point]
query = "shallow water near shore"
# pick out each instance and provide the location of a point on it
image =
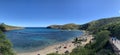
(33, 38)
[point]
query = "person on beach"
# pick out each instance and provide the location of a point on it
(112, 38)
(115, 39)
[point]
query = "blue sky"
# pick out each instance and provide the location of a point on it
(38, 13)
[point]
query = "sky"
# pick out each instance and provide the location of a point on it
(42, 13)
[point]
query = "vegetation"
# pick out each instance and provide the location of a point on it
(53, 54)
(100, 43)
(2, 27)
(110, 24)
(114, 29)
(81, 51)
(5, 45)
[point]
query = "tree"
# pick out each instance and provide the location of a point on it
(5, 45)
(102, 38)
(81, 51)
(2, 27)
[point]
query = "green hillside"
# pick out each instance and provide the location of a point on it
(5, 27)
(110, 24)
(70, 26)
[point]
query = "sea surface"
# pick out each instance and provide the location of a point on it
(36, 38)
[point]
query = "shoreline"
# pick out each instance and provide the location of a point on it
(60, 48)
(8, 29)
(47, 49)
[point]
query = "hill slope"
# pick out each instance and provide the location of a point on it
(5, 27)
(110, 24)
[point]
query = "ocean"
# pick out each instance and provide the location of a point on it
(36, 38)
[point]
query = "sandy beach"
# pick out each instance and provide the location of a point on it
(60, 48)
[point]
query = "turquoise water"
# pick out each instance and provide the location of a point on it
(32, 39)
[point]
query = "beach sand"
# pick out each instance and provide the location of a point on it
(61, 48)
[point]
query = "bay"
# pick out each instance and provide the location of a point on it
(36, 38)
